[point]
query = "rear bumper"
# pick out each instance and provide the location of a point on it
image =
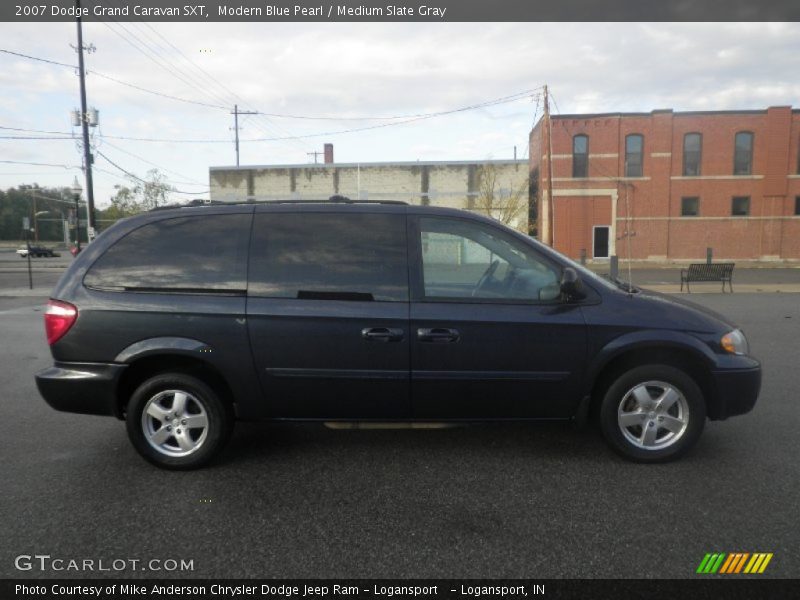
(735, 392)
(87, 388)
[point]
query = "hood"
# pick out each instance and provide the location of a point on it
(684, 314)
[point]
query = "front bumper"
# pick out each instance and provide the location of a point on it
(87, 388)
(735, 391)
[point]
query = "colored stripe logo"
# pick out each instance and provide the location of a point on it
(734, 563)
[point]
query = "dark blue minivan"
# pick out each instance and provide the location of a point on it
(182, 321)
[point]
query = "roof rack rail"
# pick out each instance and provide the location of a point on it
(331, 200)
(337, 199)
(191, 203)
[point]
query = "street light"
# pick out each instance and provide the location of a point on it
(76, 192)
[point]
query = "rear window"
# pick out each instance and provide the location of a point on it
(187, 254)
(329, 256)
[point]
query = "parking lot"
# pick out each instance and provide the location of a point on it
(520, 500)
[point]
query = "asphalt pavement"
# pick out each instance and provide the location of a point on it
(512, 500)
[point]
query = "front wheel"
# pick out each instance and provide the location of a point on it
(176, 421)
(653, 413)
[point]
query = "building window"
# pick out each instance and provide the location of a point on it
(740, 206)
(633, 155)
(743, 153)
(580, 156)
(690, 207)
(692, 154)
(797, 206)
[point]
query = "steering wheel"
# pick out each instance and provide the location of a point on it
(487, 274)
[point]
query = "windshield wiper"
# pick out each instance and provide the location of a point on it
(622, 284)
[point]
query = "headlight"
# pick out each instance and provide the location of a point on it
(734, 342)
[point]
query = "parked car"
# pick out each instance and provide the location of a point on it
(37, 252)
(181, 321)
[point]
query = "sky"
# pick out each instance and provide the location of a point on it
(342, 76)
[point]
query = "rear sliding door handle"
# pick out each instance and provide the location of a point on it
(382, 334)
(438, 335)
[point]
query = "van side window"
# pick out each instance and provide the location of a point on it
(327, 256)
(461, 259)
(198, 254)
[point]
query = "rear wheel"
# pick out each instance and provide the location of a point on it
(653, 413)
(177, 421)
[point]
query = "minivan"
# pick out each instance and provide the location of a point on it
(182, 321)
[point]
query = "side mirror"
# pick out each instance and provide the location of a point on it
(571, 284)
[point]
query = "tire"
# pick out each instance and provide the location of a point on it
(162, 437)
(653, 413)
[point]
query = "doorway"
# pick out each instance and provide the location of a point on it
(600, 241)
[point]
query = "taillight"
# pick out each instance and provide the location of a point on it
(58, 318)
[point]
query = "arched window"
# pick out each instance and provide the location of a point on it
(580, 156)
(634, 145)
(692, 154)
(743, 154)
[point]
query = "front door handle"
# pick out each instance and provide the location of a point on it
(382, 334)
(438, 335)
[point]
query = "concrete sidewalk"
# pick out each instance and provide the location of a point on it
(19, 292)
(715, 288)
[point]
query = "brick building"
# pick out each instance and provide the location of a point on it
(669, 184)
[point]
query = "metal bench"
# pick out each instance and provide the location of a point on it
(708, 272)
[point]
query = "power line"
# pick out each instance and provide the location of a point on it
(34, 130)
(188, 181)
(495, 102)
(163, 62)
(226, 90)
(44, 60)
(32, 137)
(137, 178)
(404, 118)
(37, 164)
(161, 94)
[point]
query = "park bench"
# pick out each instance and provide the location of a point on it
(708, 272)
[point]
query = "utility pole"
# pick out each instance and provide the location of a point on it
(315, 155)
(236, 112)
(548, 231)
(87, 153)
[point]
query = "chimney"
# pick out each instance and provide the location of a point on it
(328, 154)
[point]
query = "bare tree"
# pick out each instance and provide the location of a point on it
(154, 191)
(508, 204)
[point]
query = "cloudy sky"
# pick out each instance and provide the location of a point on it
(352, 76)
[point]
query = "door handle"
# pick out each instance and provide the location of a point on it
(438, 335)
(382, 334)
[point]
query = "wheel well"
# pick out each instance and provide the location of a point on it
(684, 360)
(149, 366)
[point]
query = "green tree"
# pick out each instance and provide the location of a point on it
(140, 196)
(123, 204)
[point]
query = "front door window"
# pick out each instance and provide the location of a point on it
(461, 259)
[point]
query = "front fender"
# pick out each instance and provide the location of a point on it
(648, 339)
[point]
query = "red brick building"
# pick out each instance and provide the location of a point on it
(668, 185)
